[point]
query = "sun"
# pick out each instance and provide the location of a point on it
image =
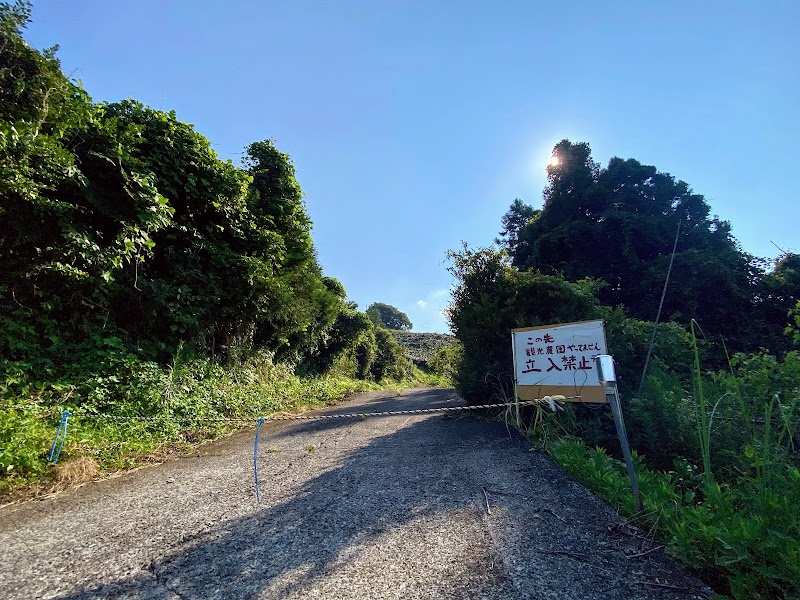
(554, 161)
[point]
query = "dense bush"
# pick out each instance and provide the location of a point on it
(491, 298)
(718, 450)
(721, 491)
(734, 520)
(446, 360)
(179, 396)
(391, 361)
(120, 221)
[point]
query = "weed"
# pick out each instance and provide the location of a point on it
(734, 519)
(180, 397)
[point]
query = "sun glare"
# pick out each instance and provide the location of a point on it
(554, 161)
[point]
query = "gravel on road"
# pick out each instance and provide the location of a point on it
(408, 506)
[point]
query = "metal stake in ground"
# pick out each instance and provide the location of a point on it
(605, 372)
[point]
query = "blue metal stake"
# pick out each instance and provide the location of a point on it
(58, 441)
(255, 459)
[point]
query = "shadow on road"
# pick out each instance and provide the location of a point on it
(282, 549)
(375, 508)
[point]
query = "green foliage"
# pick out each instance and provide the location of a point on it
(743, 539)
(446, 360)
(385, 315)
(793, 329)
(491, 298)
(734, 520)
(618, 224)
(777, 298)
(75, 207)
(348, 348)
(24, 438)
(661, 421)
(178, 395)
(142, 275)
(298, 305)
(702, 419)
(519, 215)
(355, 347)
(390, 361)
(598, 471)
(734, 517)
(757, 412)
(121, 222)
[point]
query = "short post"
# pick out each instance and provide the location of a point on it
(608, 379)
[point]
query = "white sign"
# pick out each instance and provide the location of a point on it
(558, 355)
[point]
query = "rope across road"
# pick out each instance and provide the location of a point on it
(61, 434)
(303, 417)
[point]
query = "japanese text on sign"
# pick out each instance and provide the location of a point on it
(559, 355)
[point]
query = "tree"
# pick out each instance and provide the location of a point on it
(514, 221)
(777, 302)
(618, 224)
(202, 284)
(385, 315)
(76, 208)
(298, 303)
(492, 298)
(120, 222)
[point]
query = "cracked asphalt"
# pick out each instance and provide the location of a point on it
(383, 507)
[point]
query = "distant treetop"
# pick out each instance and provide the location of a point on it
(385, 315)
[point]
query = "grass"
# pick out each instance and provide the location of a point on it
(179, 398)
(742, 541)
(728, 506)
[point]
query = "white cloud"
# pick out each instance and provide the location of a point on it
(428, 313)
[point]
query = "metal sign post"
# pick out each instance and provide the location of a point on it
(606, 375)
(556, 360)
(514, 354)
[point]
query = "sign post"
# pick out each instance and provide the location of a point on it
(606, 375)
(516, 395)
(570, 360)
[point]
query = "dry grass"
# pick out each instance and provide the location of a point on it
(76, 471)
(66, 476)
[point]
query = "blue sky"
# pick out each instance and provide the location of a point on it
(413, 125)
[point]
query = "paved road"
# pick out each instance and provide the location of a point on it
(386, 507)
